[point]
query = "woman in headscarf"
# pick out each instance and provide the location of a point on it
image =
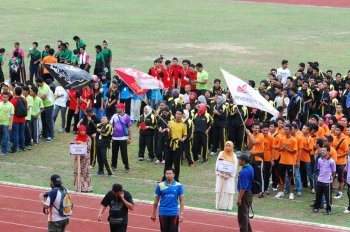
(85, 172)
(187, 144)
(220, 123)
(202, 123)
(147, 124)
(225, 177)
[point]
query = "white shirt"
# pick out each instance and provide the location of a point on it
(61, 101)
(284, 73)
(54, 216)
(279, 102)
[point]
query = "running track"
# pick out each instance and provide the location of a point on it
(20, 210)
(324, 3)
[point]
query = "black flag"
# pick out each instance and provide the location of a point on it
(68, 76)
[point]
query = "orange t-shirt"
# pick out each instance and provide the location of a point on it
(338, 116)
(344, 147)
(276, 139)
(291, 144)
(320, 133)
(281, 132)
(258, 147)
(268, 145)
(333, 154)
(306, 142)
(326, 129)
(49, 60)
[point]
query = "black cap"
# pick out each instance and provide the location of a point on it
(244, 157)
(56, 179)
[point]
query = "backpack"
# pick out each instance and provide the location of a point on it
(66, 204)
(256, 187)
(21, 108)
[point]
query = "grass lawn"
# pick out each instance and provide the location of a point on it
(243, 38)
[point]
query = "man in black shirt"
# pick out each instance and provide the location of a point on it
(119, 202)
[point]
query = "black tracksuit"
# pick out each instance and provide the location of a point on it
(219, 125)
(200, 138)
(103, 140)
(236, 126)
(146, 137)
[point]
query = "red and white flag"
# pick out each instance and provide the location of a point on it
(244, 94)
(143, 80)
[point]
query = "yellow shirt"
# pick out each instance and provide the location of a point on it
(177, 129)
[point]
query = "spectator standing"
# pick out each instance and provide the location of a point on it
(28, 128)
(35, 59)
(107, 53)
(15, 67)
(38, 108)
(49, 59)
(202, 80)
(168, 194)
(2, 51)
(125, 96)
(84, 59)
(61, 97)
(119, 202)
(98, 103)
(135, 107)
(22, 68)
(100, 62)
(245, 195)
(147, 124)
(6, 118)
(283, 71)
(73, 110)
(19, 119)
(79, 42)
(112, 99)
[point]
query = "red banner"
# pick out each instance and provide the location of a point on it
(131, 82)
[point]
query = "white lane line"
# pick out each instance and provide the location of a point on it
(289, 4)
(25, 165)
(209, 211)
(24, 225)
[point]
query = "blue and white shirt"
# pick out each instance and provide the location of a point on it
(169, 197)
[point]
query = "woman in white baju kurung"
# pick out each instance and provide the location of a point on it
(225, 186)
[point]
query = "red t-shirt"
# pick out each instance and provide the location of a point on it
(166, 79)
(175, 71)
(15, 118)
(183, 74)
(72, 99)
(192, 76)
(153, 72)
(86, 95)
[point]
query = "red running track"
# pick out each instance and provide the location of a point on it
(324, 3)
(20, 210)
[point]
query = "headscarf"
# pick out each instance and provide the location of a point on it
(202, 109)
(228, 156)
(175, 93)
(194, 95)
(149, 109)
(81, 137)
(185, 116)
(202, 99)
(221, 101)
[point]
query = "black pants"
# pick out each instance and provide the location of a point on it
(259, 174)
(274, 173)
(200, 146)
(108, 74)
(71, 115)
(160, 148)
(127, 103)
(236, 135)
(2, 79)
(282, 169)
(118, 228)
(267, 174)
(93, 152)
(326, 190)
(48, 76)
(173, 158)
(169, 223)
(187, 149)
(123, 145)
(44, 131)
(15, 77)
(243, 212)
(110, 111)
(146, 140)
(218, 138)
(348, 192)
(28, 134)
(102, 160)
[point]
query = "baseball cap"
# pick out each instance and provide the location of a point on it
(56, 179)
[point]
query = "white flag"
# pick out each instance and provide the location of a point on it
(244, 94)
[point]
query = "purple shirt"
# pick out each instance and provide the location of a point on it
(326, 168)
(120, 126)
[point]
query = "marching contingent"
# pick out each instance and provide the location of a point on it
(292, 133)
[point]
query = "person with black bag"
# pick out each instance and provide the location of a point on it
(119, 202)
(245, 194)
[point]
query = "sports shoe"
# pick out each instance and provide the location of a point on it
(279, 195)
(49, 139)
(62, 130)
(313, 191)
(2, 154)
(298, 194)
(127, 170)
(328, 212)
(204, 162)
(111, 176)
(99, 174)
(291, 196)
(212, 153)
(346, 211)
(315, 210)
(157, 162)
(141, 158)
(163, 162)
(338, 196)
(274, 189)
(115, 169)
(149, 160)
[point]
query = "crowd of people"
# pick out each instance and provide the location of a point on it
(305, 146)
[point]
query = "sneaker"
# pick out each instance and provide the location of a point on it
(279, 195)
(2, 154)
(328, 212)
(127, 170)
(346, 211)
(298, 194)
(62, 130)
(99, 174)
(115, 169)
(49, 139)
(149, 160)
(163, 162)
(158, 162)
(141, 158)
(313, 191)
(291, 196)
(212, 153)
(338, 196)
(204, 162)
(111, 176)
(274, 189)
(315, 210)
(29, 147)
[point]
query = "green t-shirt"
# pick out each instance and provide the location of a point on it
(99, 60)
(45, 90)
(80, 44)
(34, 55)
(74, 60)
(202, 76)
(66, 55)
(1, 59)
(107, 53)
(6, 109)
(44, 54)
(29, 100)
(15, 64)
(37, 105)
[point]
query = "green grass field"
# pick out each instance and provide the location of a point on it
(245, 39)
